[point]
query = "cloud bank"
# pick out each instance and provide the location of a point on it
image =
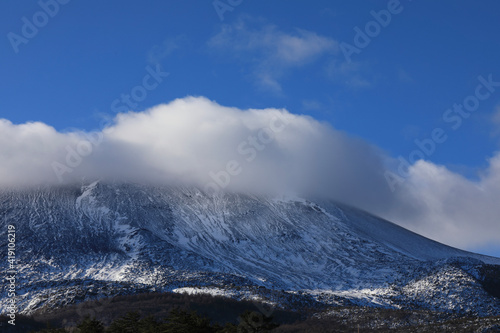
(197, 141)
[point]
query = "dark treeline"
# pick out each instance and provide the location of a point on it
(154, 312)
(171, 312)
(178, 321)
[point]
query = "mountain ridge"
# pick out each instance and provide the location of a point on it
(107, 239)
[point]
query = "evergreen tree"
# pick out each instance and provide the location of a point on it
(91, 325)
(180, 321)
(228, 328)
(127, 324)
(253, 322)
(149, 325)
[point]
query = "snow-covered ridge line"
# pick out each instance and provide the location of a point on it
(166, 238)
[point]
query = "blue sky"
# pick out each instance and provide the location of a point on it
(76, 68)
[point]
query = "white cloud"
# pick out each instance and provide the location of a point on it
(451, 208)
(271, 51)
(27, 150)
(189, 138)
(197, 141)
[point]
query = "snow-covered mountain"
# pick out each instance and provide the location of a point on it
(79, 242)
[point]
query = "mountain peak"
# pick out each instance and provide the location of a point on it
(167, 237)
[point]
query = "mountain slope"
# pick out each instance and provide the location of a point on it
(76, 243)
